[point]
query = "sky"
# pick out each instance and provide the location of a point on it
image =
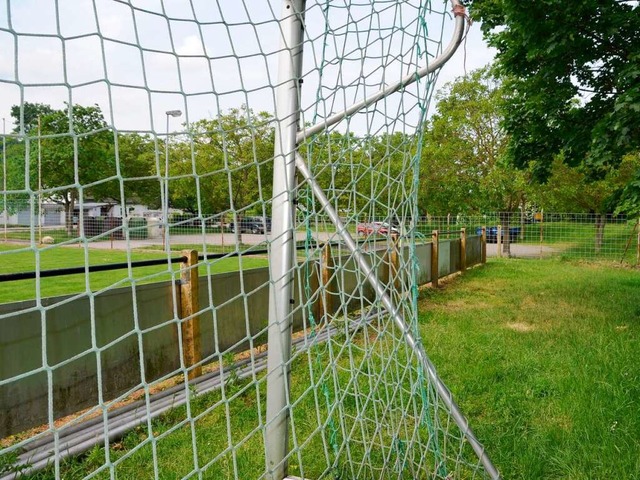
(139, 58)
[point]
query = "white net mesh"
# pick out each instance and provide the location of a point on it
(143, 267)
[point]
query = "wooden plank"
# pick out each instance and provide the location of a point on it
(189, 306)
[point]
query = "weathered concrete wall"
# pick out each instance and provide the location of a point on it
(122, 332)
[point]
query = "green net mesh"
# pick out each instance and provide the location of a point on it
(138, 165)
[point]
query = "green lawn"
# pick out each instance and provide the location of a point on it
(543, 358)
(541, 355)
(22, 259)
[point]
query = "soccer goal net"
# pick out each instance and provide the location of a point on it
(210, 261)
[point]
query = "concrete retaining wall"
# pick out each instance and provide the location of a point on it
(136, 341)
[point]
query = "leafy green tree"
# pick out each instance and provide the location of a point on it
(629, 202)
(463, 142)
(464, 166)
(227, 162)
(77, 154)
(27, 117)
(571, 189)
(574, 78)
(15, 154)
(138, 157)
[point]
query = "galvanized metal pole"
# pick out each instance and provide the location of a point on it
(387, 302)
(281, 254)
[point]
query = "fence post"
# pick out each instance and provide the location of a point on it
(541, 230)
(483, 245)
(325, 300)
(499, 240)
(463, 249)
(434, 259)
(638, 245)
(189, 306)
(394, 264)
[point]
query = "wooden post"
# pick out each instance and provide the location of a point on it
(325, 299)
(483, 245)
(394, 264)
(463, 249)
(638, 245)
(189, 306)
(499, 240)
(434, 259)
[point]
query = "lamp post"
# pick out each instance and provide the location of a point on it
(165, 207)
(4, 176)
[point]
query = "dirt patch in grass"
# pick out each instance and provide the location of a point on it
(521, 327)
(462, 305)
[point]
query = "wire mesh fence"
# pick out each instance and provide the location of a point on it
(583, 236)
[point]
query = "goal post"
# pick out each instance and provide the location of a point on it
(282, 252)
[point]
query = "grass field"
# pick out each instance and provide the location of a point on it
(570, 238)
(541, 355)
(20, 259)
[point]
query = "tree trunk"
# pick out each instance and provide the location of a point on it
(600, 222)
(505, 221)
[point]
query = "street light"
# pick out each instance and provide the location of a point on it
(165, 209)
(4, 176)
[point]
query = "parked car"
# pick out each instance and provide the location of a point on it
(492, 234)
(252, 225)
(375, 228)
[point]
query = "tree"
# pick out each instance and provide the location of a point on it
(76, 150)
(227, 162)
(27, 117)
(137, 156)
(574, 76)
(463, 142)
(464, 164)
(571, 189)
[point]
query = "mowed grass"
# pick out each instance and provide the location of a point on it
(541, 355)
(16, 258)
(543, 359)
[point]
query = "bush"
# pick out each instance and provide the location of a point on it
(138, 228)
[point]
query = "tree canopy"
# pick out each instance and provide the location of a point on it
(464, 168)
(573, 71)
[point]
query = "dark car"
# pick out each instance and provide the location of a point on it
(492, 234)
(252, 225)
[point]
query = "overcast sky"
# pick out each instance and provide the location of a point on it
(139, 58)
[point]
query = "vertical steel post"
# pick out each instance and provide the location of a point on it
(282, 251)
(463, 249)
(411, 341)
(4, 177)
(483, 254)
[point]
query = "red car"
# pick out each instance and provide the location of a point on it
(375, 228)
